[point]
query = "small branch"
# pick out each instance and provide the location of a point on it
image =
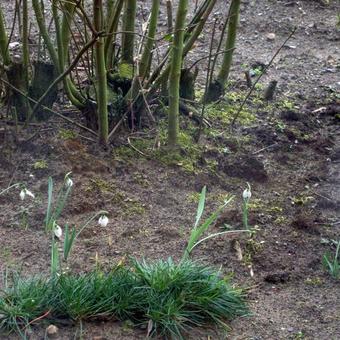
(206, 81)
(117, 126)
(248, 79)
(134, 148)
(39, 318)
(260, 76)
(267, 147)
(208, 56)
(169, 15)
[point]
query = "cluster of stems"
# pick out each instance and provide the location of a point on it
(112, 51)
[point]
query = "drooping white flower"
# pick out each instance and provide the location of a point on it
(246, 194)
(57, 231)
(69, 182)
(25, 192)
(22, 194)
(103, 221)
(29, 193)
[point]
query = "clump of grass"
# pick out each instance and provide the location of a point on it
(97, 294)
(42, 164)
(185, 295)
(332, 263)
(67, 134)
(23, 301)
(168, 298)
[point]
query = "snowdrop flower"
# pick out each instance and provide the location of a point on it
(57, 231)
(69, 182)
(22, 194)
(246, 194)
(103, 221)
(25, 192)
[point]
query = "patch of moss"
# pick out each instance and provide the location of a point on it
(264, 206)
(185, 156)
(259, 87)
(224, 113)
(194, 197)
(252, 248)
(141, 180)
(67, 134)
(98, 184)
(314, 281)
(302, 200)
(129, 206)
(280, 126)
(280, 220)
(41, 164)
(132, 207)
(199, 93)
(127, 152)
(286, 104)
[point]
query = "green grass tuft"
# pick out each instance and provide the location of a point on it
(185, 295)
(166, 297)
(24, 301)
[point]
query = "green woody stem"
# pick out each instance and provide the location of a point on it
(230, 43)
(175, 73)
(128, 36)
(146, 56)
(4, 41)
(101, 80)
(112, 25)
(24, 34)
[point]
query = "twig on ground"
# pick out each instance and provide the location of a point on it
(134, 148)
(260, 76)
(267, 147)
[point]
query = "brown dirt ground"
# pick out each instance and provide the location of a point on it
(290, 157)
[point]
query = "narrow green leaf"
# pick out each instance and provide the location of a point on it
(54, 257)
(200, 207)
(49, 203)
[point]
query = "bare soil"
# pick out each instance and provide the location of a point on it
(290, 156)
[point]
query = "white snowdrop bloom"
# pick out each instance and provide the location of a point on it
(22, 194)
(246, 194)
(103, 221)
(25, 192)
(69, 182)
(29, 193)
(57, 231)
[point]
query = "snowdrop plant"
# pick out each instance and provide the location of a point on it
(332, 263)
(71, 234)
(246, 198)
(199, 229)
(9, 188)
(25, 192)
(54, 210)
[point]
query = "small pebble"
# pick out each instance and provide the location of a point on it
(271, 36)
(52, 330)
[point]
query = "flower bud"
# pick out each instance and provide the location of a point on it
(103, 221)
(246, 194)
